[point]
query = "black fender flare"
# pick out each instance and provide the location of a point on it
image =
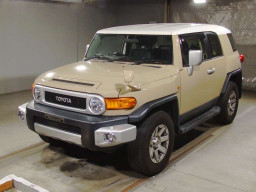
(229, 78)
(144, 110)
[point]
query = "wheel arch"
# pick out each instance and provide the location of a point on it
(236, 77)
(168, 104)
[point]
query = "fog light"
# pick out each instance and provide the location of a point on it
(21, 115)
(109, 137)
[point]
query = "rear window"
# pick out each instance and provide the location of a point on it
(214, 41)
(232, 42)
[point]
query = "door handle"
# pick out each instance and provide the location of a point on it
(211, 71)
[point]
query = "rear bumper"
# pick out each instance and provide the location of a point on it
(85, 130)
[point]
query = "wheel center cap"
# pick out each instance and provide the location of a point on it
(156, 142)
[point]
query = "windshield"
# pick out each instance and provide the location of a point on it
(155, 49)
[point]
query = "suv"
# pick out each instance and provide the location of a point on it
(139, 86)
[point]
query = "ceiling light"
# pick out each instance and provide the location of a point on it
(199, 1)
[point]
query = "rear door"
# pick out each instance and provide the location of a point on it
(216, 61)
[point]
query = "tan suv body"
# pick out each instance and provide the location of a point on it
(139, 86)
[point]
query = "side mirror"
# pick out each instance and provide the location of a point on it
(195, 58)
(86, 49)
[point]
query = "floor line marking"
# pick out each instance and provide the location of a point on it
(209, 180)
(134, 185)
(172, 160)
(189, 149)
(22, 150)
(115, 183)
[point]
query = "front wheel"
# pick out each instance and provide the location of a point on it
(228, 104)
(150, 152)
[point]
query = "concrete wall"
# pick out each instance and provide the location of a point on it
(237, 15)
(140, 11)
(37, 36)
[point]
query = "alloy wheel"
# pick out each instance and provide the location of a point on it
(232, 103)
(159, 143)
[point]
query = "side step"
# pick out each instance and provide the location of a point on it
(199, 120)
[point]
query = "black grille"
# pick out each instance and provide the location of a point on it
(57, 125)
(66, 100)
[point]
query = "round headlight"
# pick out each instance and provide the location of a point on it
(96, 105)
(37, 93)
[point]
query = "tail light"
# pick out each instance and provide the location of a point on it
(241, 58)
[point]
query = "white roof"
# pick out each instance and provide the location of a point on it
(165, 29)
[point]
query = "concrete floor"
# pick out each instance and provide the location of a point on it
(14, 135)
(227, 162)
(211, 158)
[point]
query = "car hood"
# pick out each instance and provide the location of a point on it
(97, 76)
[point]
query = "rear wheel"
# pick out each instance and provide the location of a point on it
(150, 152)
(229, 104)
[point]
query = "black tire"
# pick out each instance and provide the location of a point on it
(51, 141)
(138, 150)
(226, 117)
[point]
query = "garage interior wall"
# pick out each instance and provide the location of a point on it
(237, 15)
(140, 11)
(39, 36)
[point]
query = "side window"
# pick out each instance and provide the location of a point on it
(192, 42)
(232, 42)
(215, 47)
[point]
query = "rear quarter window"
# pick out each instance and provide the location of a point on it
(232, 42)
(215, 46)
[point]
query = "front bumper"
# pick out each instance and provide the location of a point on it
(91, 132)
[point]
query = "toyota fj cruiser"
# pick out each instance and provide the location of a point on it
(139, 86)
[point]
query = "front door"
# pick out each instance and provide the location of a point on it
(195, 87)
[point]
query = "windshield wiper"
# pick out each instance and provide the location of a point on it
(147, 61)
(99, 57)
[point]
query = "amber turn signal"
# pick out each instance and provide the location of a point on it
(120, 103)
(33, 85)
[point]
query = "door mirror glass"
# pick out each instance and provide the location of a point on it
(195, 57)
